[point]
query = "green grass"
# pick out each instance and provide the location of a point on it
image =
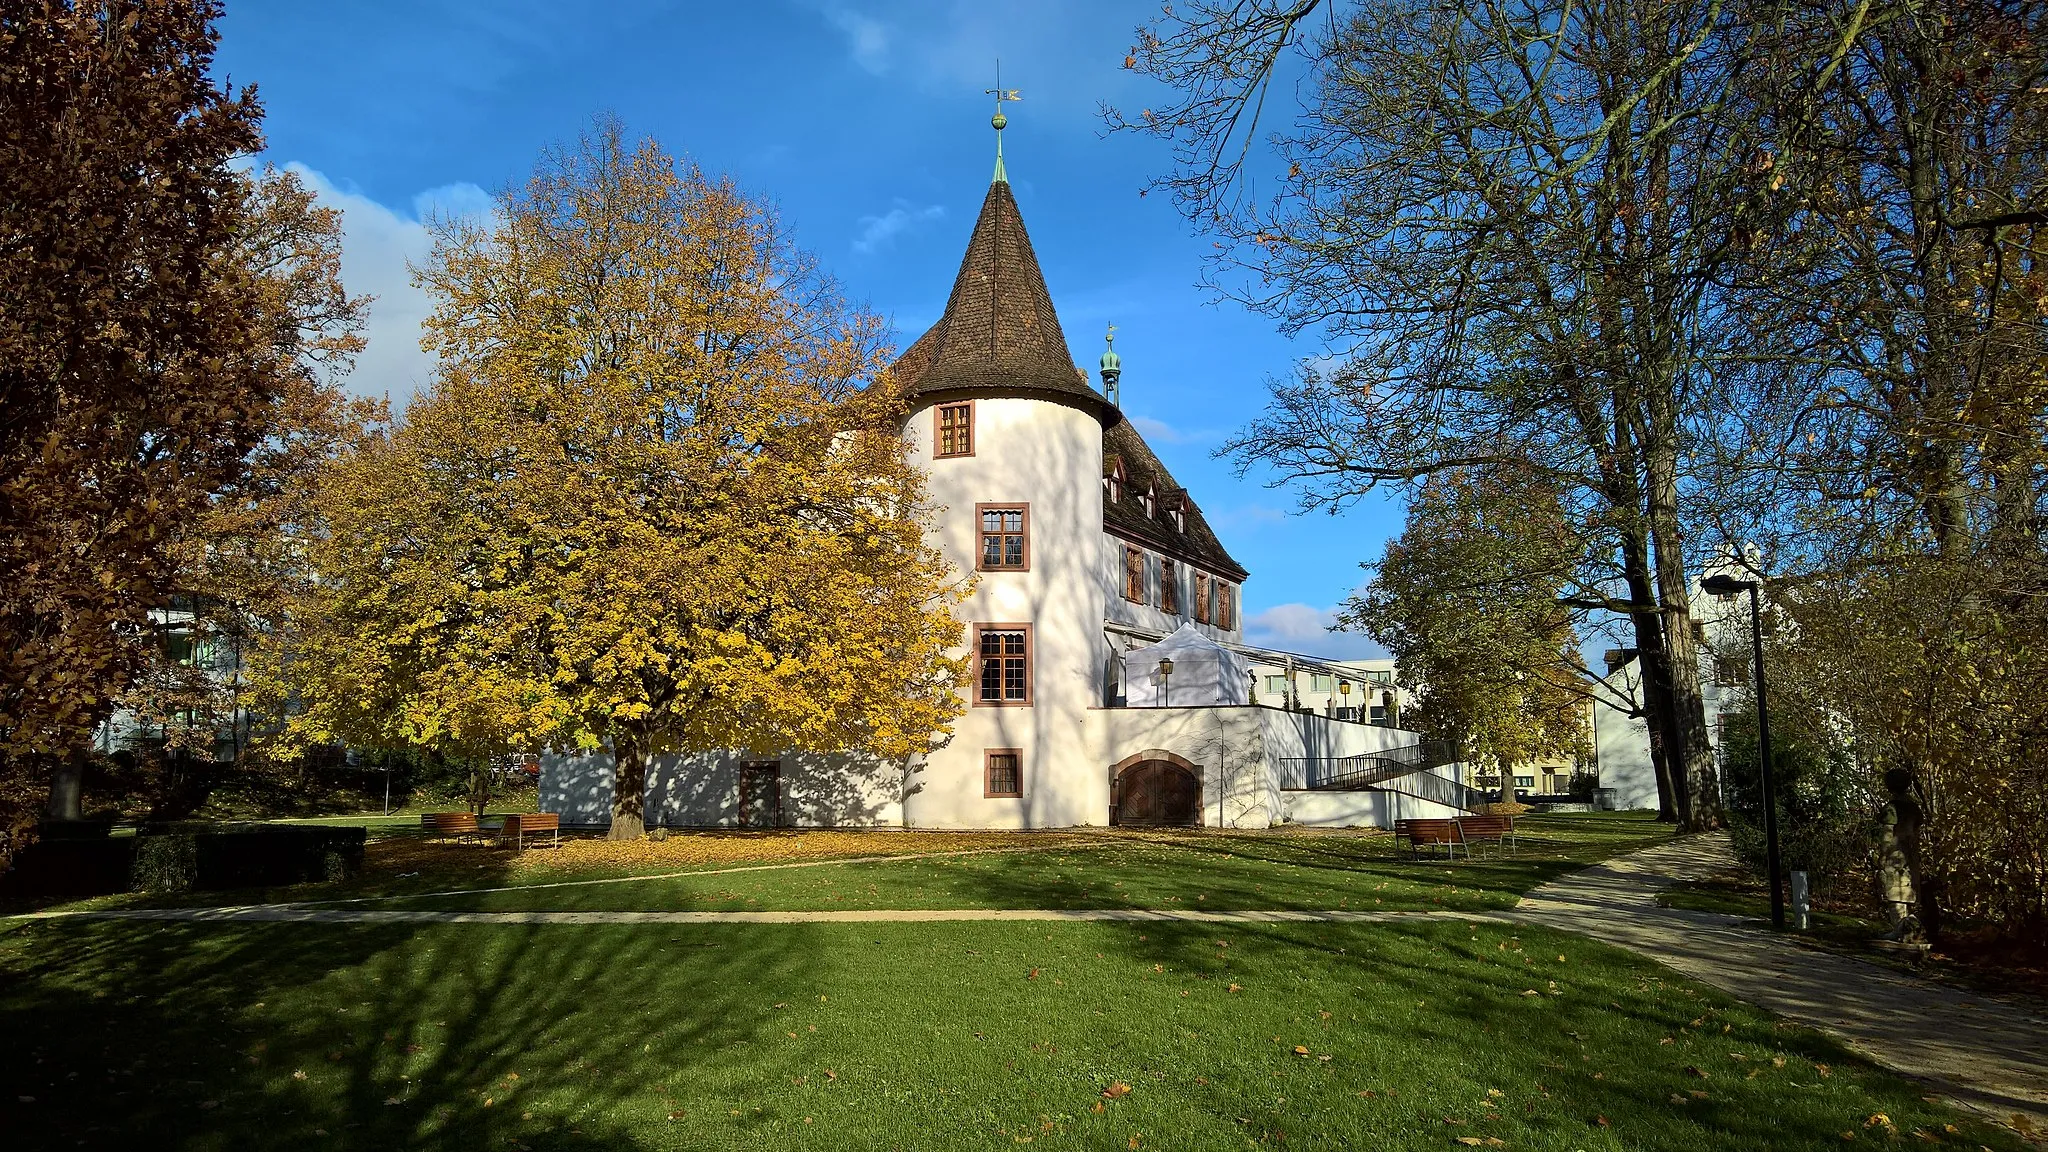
(937, 1036)
(1212, 871)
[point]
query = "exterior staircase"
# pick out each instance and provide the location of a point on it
(1410, 764)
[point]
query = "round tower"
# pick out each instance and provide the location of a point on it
(1010, 434)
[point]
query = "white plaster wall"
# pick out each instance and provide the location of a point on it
(1366, 808)
(702, 791)
(1049, 455)
(1621, 746)
(1236, 749)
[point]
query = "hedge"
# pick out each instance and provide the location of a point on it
(207, 858)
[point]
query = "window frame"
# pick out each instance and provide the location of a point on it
(1030, 664)
(939, 430)
(1133, 551)
(1169, 586)
(988, 771)
(1202, 613)
(1225, 614)
(981, 535)
(1116, 480)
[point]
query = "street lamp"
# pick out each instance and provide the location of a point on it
(1723, 584)
(1166, 678)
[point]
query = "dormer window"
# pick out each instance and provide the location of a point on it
(1115, 481)
(1151, 502)
(1179, 514)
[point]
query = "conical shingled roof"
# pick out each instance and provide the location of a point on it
(999, 334)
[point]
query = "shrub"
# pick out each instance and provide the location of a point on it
(182, 858)
(71, 863)
(1828, 812)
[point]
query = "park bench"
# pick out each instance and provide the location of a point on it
(450, 825)
(1497, 830)
(1419, 833)
(520, 825)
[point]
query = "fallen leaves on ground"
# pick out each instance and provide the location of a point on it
(1117, 1089)
(708, 849)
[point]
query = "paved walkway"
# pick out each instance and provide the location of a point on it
(1982, 1052)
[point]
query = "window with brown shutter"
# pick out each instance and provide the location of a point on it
(954, 435)
(1002, 664)
(1005, 537)
(1169, 586)
(1226, 605)
(1201, 597)
(1002, 772)
(1134, 574)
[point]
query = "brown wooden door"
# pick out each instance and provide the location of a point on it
(1159, 792)
(761, 794)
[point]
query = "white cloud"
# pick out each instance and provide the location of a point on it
(867, 38)
(877, 232)
(1305, 628)
(377, 245)
(1160, 431)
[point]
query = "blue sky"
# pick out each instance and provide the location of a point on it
(865, 122)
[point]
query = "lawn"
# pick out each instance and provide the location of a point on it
(1424, 1035)
(1213, 871)
(916, 1036)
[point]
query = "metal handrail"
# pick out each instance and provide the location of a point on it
(1410, 764)
(1343, 772)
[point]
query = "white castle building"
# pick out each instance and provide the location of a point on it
(1110, 682)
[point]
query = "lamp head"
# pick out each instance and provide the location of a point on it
(1344, 687)
(1166, 666)
(1722, 584)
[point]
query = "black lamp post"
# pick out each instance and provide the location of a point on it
(1166, 679)
(1726, 585)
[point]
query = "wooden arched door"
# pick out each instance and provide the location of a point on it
(1159, 792)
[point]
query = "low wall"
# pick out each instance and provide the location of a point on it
(1234, 749)
(703, 791)
(1364, 808)
(1237, 748)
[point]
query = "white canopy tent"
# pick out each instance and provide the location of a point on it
(1204, 672)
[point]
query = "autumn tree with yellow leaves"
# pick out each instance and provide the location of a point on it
(655, 501)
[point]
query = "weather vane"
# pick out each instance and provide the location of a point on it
(998, 121)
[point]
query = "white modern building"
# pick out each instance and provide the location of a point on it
(1621, 736)
(1109, 683)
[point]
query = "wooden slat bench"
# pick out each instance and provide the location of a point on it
(520, 825)
(449, 824)
(1431, 832)
(1498, 830)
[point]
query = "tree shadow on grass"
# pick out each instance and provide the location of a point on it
(297, 1035)
(1602, 1048)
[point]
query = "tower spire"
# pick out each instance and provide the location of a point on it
(1112, 367)
(1000, 121)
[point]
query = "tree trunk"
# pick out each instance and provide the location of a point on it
(479, 785)
(1650, 663)
(1507, 781)
(629, 786)
(1691, 754)
(67, 789)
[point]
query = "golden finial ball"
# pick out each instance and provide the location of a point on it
(1000, 121)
